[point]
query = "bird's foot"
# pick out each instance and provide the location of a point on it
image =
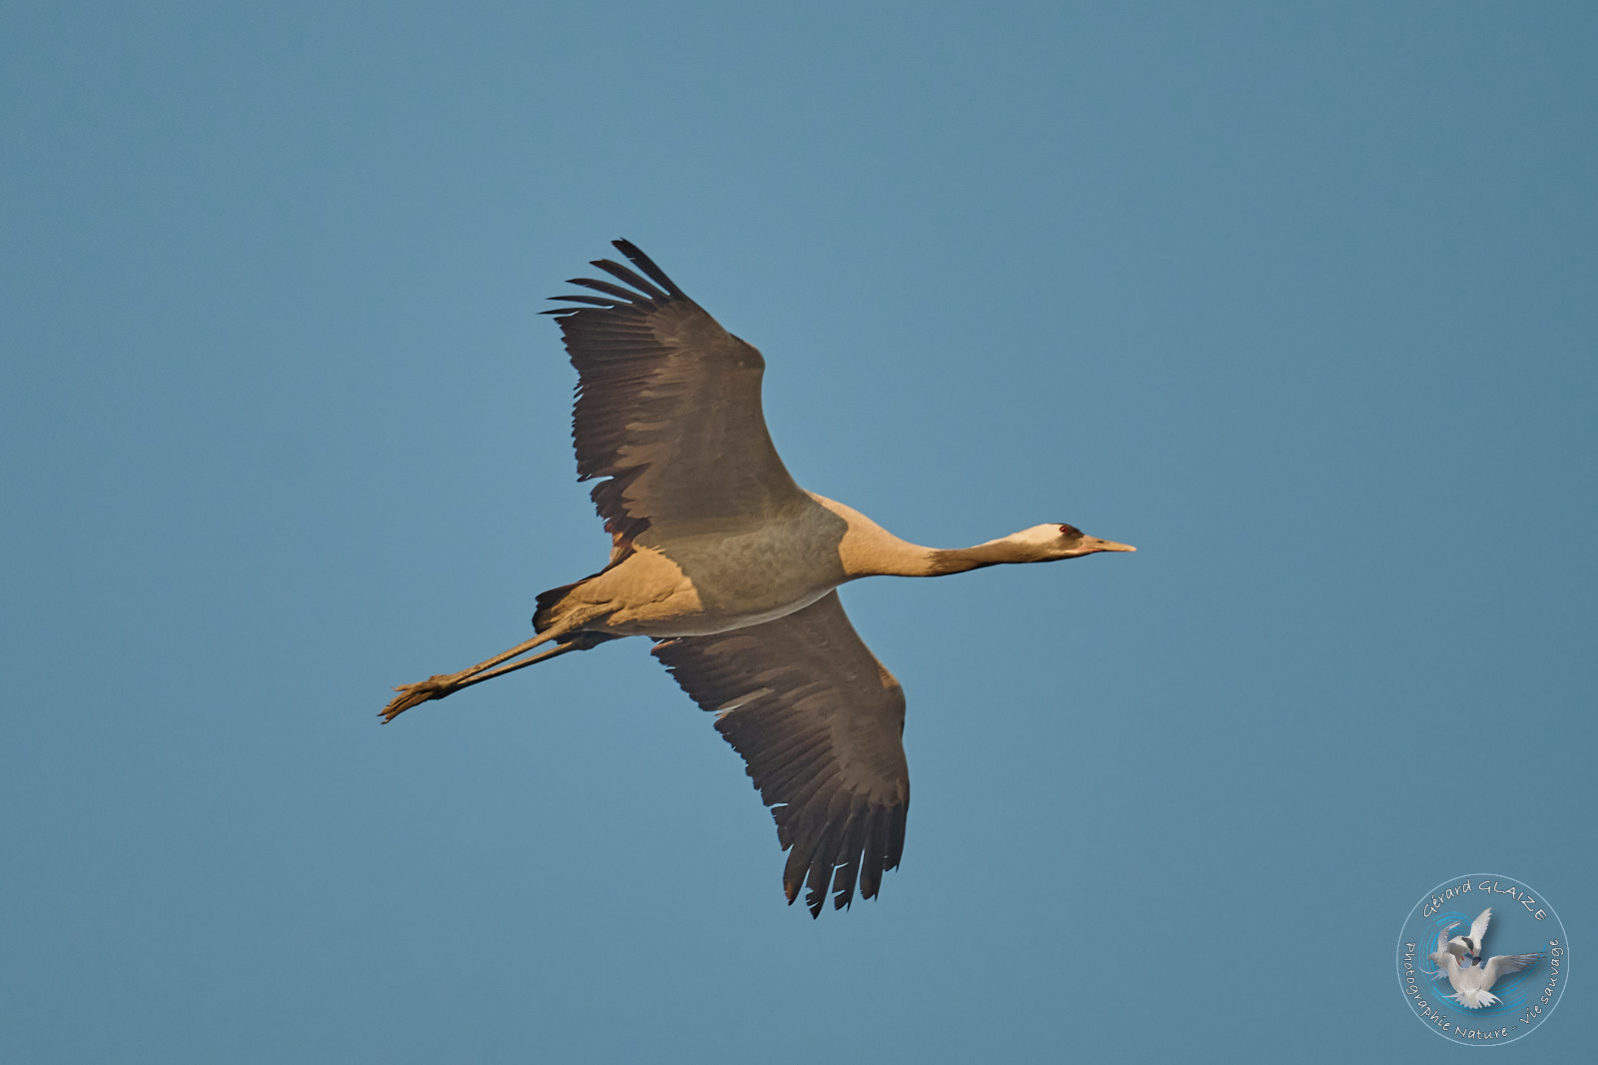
(434, 687)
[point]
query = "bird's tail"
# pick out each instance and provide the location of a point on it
(547, 611)
(1474, 998)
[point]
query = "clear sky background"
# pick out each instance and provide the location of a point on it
(1299, 299)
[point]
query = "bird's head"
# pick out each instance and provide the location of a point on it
(1465, 949)
(1064, 541)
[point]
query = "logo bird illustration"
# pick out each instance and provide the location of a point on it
(1457, 959)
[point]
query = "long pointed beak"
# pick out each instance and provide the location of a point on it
(1109, 545)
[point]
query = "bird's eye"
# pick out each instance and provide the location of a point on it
(1070, 532)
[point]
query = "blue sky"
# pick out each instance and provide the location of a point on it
(1296, 298)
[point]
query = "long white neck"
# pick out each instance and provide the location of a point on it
(993, 553)
(869, 550)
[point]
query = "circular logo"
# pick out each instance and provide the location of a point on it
(1482, 959)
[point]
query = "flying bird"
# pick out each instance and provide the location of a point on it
(1472, 984)
(733, 569)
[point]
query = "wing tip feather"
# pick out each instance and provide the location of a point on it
(654, 286)
(647, 265)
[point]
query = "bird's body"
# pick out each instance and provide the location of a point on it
(721, 557)
(712, 581)
(1472, 984)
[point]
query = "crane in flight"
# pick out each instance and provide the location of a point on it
(733, 569)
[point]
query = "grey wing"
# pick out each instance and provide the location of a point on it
(1505, 964)
(1442, 938)
(668, 408)
(819, 721)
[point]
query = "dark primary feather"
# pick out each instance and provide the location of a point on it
(818, 720)
(668, 409)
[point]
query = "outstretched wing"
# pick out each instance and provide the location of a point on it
(668, 408)
(1442, 938)
(1505, 964)
(818, 720)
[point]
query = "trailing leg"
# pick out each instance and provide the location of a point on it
(441, 684)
